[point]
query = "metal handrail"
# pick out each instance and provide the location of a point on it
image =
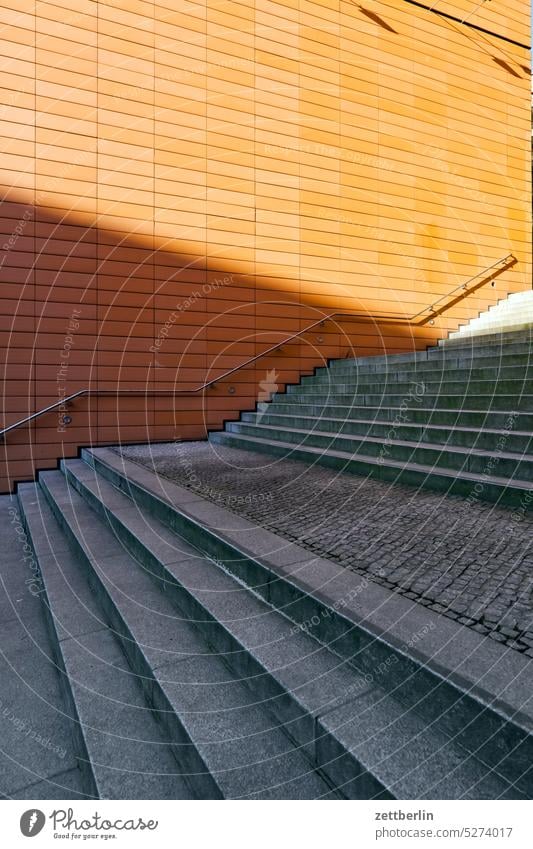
(510, 258)
(417, 319)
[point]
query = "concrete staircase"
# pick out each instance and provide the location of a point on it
(191, 670)
(457, 418)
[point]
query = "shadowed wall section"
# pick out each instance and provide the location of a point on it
(183, 189)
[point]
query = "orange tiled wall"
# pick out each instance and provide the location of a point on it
(187, 183)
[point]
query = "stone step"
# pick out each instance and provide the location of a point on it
(473, 348)
(360, 623)
(493, 324)
(460, 360)
(521, 313)
(259, 645)
(485, 439)
(513, 340)
(425, 372)
(447, 386)
(505, 318)
(414, 414)
(476, 461)
(38, 758)
(502, 490)
(514, 318)
(224, 738)
(475, 401)
(512, 302)
(488, 327)
(510, 351)
(519, 297)
(121, 749)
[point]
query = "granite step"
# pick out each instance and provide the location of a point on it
(443, 385)
(121, 749)
(390, 398)
(511, 339)
(462, 361)
(224, 739)
(38, 759)
(423, 372)
(489, 328)
(519, 318)
(502, 490)
(466, 437)
(511, 348)
(305, 685)
(475, 460)
(317, 596)
(500, 420)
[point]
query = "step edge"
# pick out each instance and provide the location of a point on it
(81, 742)
(370, 460)
(375, 777)
(81, 487)
(386, 423)
(90, 571)
(313, 717)
(462, 680)
(430, 446)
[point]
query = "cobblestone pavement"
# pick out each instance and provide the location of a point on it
(466, 559)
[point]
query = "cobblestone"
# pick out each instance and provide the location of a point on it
(474, 564)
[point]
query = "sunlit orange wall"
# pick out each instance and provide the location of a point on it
(186, 183)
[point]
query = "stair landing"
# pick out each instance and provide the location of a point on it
(465, 559)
